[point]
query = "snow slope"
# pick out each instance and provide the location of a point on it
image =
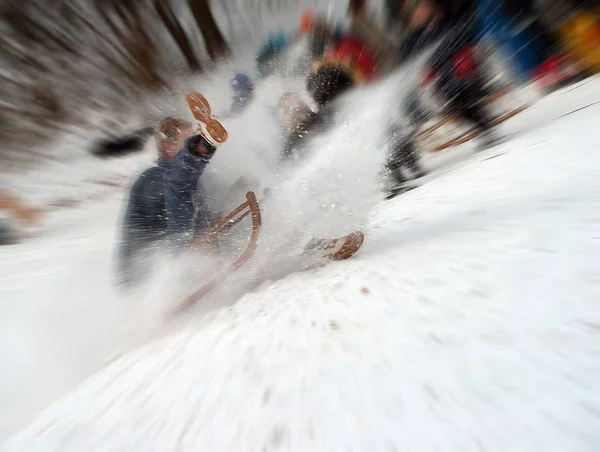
(468, 321)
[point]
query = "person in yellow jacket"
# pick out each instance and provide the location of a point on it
(580, 33)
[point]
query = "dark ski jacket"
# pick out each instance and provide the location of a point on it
(187, 206)
(451, 14)
(144, 221)
(314, 124)
(421, 39)
(166, 201)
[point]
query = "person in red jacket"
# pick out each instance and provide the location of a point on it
(356, 55)
(456, 73)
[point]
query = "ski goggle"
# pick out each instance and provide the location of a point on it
(211, 129)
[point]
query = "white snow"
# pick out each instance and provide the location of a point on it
(468, 321)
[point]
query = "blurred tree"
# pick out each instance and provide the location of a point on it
(60, 59)
(215, 43)
(129, 27)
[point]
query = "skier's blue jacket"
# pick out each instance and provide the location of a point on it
(167, 200)
(185, 202)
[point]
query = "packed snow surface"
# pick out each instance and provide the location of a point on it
(468, 321)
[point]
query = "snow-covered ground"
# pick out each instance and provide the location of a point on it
(468, 321)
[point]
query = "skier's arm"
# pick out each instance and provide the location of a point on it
(181, 181)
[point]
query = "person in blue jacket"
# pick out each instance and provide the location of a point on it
(168, 200)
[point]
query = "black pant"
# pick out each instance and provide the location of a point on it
(404, 156)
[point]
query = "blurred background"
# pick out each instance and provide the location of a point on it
(62, 60)
(460, 136)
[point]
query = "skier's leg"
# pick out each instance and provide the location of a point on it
(413, 160)
(395, 164)
(398, 176)
(476, 115)
(474, 108)
(460, 106)
(470, 108)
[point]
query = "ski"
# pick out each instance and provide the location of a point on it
(399, 191)
(472, 134)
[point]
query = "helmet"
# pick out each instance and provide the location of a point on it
(242, 83)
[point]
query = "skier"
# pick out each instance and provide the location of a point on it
(347, 63)
(188, 209)
(167, 200)
(326, 84)
(457, 77)
(578, 31)
(144, 221)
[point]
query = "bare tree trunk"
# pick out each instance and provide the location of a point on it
(137, 43)
(35, 31)
(119, 66)
(215, 43)
(165, 11)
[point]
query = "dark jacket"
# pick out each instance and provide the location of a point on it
(454, 60)
(144, 222)
(186, 205)
(167, 200)
(421, 39)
